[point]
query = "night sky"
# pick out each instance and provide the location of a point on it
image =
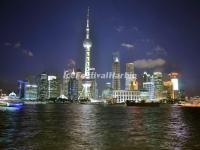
(47, 35)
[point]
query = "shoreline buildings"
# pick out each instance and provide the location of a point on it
(76, 87)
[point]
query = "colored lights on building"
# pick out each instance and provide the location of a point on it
(175, 84)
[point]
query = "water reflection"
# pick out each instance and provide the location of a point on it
(99, 127)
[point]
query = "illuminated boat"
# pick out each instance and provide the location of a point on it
(14, 104)
(11, 103)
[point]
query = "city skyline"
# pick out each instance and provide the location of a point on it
(34, 45)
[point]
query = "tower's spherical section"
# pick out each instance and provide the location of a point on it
(87, 43)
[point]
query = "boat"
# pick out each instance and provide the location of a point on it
(11, 101)
(193, 102)
(8, 103)
(142, 104)
(188, 105)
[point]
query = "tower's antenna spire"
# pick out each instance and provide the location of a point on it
(88, 24)
(88, 15)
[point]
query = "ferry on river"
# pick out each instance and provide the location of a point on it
(10, 101)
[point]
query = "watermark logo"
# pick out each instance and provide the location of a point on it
(107, 75)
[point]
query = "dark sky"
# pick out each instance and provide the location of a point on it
(46, 35)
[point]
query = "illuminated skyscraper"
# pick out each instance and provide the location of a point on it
(130, 83)
(94, 90)
(146, 77)
(168, 91)
(21, 88)
(175, 84)
(66, 77)
(116, 71)
(73, 87)
(43, 86)
(53, 87)
(31, 92)
(79, 79)
(148, 84)
(107, 92)
(158, 82)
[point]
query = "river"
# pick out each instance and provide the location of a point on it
(99, 127)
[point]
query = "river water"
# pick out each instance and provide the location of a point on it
(99, 127)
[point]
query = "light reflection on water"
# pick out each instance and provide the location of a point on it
(62, 126)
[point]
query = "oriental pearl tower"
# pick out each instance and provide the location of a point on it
(87, 44)
(87, 82)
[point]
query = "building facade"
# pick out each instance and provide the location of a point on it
(31, 92)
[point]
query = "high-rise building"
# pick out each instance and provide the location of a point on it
(53, 87)
(21, 88)
(107, 92)
(175, 85)
(66, 77)
(73, 87)
(31, 91)
(116, 71)
(94, 90)
(130, 82)
(146, 77)
(167, 89)
(79, 79)
(43, 86)
(158, 82)
(149, 86)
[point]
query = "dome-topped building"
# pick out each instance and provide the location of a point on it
(12, 95)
